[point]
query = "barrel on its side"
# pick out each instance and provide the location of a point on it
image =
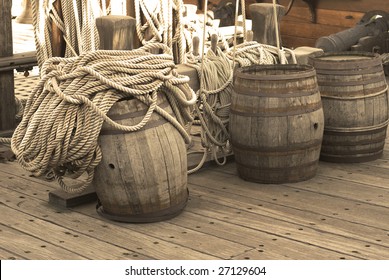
(355, 103)
(143, 174)
(276, 123)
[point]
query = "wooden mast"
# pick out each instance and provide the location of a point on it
(7, 104)
(58, 42)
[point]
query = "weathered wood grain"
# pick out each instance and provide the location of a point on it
(91, 238)
(276, 123)
(341, 213)
(353, 90)
(7, 104)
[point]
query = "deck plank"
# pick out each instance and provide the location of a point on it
(294, 232)
(159, 243)
(27, 246)
(74, 243)
(341, 213)
(218, 237)
(263, 212)
(297, 217)
(215, 246)
(268, 245)
(9, 255)
(295, 197)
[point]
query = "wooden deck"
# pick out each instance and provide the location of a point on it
(342, 213)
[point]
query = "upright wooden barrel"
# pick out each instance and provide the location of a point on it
(276, 123)
(143, 174)
(355, 102)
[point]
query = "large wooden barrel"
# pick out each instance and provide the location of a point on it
(276, 123)
(143, 174)
(355, 102)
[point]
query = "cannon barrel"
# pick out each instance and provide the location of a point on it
(342, 41)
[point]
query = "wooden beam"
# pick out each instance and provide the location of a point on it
(67, 200)
(58, 42)
(19, 61)
(7, 97)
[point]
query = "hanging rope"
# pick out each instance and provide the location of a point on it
(213, 105)
(65, 111)
(161, 21)
(253, 53)
(215, 71)
(276, 24)
(214, 97)
(194, 26)
(77, 25)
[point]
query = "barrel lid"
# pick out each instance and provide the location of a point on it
(275, 72)
(345, 60)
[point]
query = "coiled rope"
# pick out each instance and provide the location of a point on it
(253, 53)
(65, 111)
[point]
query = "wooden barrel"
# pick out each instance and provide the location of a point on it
(143, 174)
(355, 102)
(276, 123)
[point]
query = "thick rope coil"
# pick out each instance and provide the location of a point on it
(250, 53)
(66, 109)
(254, 53)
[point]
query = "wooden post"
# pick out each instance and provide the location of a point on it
(58, 42)
(263, 24)
(116, 32)
(7, 97)
(131, 12)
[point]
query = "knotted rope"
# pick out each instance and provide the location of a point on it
(65, 111)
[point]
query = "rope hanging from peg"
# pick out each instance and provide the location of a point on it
(163, 23)
(214, 100)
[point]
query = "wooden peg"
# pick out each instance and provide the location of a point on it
(214, 40)
(196, 45)
(116, 32)
(249, 35)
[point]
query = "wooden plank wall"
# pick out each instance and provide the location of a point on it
(332, 16)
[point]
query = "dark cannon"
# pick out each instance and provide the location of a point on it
(369, 34)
